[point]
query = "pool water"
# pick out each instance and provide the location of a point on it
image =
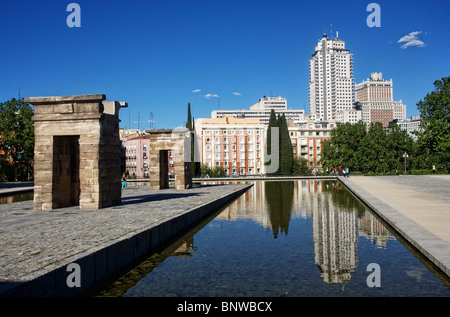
(9, 199)
(285, 238)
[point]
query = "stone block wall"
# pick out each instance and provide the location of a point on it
(77, 152)
(177, 140)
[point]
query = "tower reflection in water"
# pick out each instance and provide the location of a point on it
(284, 238)
(338, 219)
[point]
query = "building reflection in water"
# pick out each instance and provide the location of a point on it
(338, 220)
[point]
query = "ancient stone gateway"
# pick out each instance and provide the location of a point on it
(76, 152)
(161, 141)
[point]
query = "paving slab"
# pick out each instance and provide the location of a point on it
(418, 207)
(35, 243)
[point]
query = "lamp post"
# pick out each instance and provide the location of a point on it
(405, 156)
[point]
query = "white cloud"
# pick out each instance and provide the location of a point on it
(209, 96)
(196, 90)
(412, 39)
(236, 93)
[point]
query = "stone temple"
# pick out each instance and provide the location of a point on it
(77, 153)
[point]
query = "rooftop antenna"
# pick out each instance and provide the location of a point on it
(151, 119)
(218, 103)
(19, 94)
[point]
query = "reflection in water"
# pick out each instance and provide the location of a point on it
(279, 204)
(16, 198)
(319, 234)
(336, 216)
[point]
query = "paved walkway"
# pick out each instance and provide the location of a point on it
(416, 206)
(35, 242)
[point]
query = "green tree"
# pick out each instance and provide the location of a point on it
(344, 143)
(273, 123)
(434, 139)
(286, 150)
(205, 171)
(300, 166)
(190, 126)
(398, 142)
(217, 171)
(368, 150)
(17, 136)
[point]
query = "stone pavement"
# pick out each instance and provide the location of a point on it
(417, 206)
(34, 243)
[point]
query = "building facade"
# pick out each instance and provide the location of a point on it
(238, 145)
(235, 144)
(410, 125)
(136, 152)
(262, 109)
(331, 82)
(136, 156)
(375, 96)
(307, 139)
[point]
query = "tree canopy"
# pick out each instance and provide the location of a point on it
(368, 150)
(285, 151)
(433, 144)
(16, 136)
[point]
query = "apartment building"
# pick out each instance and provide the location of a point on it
(331, 82)
(135, 152)
(375, 95)
(262, 109)
(236, 144)
(410, 125)
(307, 138)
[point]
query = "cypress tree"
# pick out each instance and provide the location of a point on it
(286, 150)
(189, 125)
(189, 120)
(273, 122)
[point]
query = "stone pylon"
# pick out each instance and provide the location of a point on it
(77, 151)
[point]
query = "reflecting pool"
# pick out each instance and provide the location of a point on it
(13, 198)
(286, 238)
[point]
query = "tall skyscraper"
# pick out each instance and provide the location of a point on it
(331, 82)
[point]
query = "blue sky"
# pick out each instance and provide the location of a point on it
(159, 55)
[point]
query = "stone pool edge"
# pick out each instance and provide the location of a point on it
(432, 247)
(99, 264)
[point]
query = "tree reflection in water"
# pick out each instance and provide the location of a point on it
(279, 197)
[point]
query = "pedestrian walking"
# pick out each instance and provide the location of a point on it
(347, 171)
(124, 182)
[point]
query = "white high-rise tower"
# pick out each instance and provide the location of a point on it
(331, 82)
